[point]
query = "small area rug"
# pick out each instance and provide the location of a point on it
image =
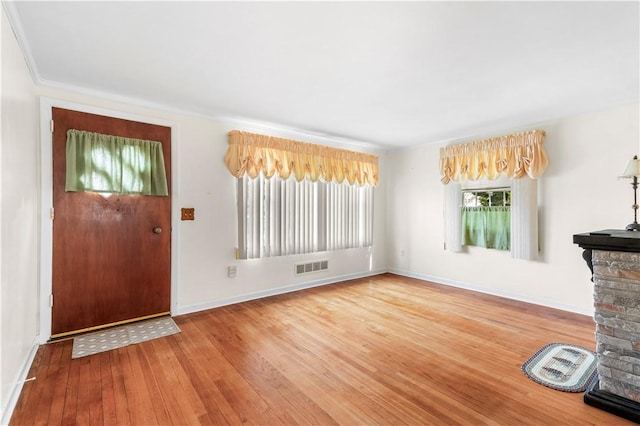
(563, 367)
(118, 337)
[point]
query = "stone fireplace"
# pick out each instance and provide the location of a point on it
(614, 259)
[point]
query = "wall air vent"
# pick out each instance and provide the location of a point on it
(305, 268)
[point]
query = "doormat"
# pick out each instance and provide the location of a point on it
(563, 367)
(118, 337)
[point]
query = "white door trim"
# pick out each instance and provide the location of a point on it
(46, 200)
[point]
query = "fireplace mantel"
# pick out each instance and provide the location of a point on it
(609, 240)
(613, 255)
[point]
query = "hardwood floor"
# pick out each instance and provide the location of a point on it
(380, 350)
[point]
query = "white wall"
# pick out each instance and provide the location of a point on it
(578, 193)
(18, 214)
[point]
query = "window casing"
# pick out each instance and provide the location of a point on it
(278, 217)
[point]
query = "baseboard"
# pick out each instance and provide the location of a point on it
(494, 292)
(272, 292)
(7, 410)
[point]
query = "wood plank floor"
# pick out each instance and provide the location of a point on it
(380, 350)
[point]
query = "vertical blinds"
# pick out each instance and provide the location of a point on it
(279, 217)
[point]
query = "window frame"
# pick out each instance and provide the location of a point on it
(489, 191)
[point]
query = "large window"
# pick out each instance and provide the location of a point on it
(278, 217)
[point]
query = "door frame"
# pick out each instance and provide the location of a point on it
(46, 200)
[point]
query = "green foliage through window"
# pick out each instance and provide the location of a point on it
(486, 198)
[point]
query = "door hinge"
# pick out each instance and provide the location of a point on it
(52, 213)
(51, 300)
(51, 126)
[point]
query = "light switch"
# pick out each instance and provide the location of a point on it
(188, 214)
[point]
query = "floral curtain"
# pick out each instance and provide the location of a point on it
(114, 164)
(513, 155)
(252, 154)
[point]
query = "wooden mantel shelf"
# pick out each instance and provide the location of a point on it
(609, 240)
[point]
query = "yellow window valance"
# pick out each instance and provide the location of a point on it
(511, 155)
(251, 153)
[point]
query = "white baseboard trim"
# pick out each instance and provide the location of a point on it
(272, 292)
(7, 410)
(494, 292)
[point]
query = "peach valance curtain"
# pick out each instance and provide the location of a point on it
(512, 155)
(251, 154)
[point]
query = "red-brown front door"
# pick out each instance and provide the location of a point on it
(109, 266)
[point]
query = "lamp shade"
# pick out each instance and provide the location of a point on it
(632, 169)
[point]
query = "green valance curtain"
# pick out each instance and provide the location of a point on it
(114, 164)
(486, 227)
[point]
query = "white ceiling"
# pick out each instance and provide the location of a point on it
(388, 73)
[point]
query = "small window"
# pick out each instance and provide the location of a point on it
(486, 218)
(486, 197)
(113, 164)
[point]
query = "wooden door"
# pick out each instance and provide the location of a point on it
(109, 266)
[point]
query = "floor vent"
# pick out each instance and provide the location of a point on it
(305, 268)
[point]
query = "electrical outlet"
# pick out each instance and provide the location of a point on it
(232, 271)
